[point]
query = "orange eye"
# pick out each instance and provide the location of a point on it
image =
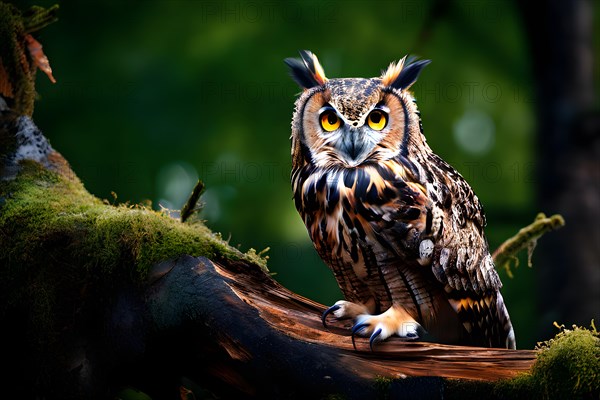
(329, 121)
(377, 120)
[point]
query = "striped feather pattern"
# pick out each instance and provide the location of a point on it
(368, 221)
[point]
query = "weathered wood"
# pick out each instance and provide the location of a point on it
(300, 318)
(265, 340)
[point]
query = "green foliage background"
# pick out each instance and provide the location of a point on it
(153, 94)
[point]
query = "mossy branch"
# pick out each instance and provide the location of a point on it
(526, 238)
(38, 17)
(18, 63)
(566, 367)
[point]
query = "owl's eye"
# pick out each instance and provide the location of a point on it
(330, 121)
(377, 120)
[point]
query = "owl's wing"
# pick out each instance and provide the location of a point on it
(461, 258)
(445, 211)
(441, 212)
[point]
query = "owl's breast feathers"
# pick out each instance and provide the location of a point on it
(368, 223)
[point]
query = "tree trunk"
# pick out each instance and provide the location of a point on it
(568, 170)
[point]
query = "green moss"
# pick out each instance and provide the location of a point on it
(59, 242)
(41, 206)
(567, 367)
(382, 386)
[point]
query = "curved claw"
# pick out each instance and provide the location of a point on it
(373, 337)
(331, 309)
(357, 328)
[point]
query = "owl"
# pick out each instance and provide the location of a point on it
(400, 228)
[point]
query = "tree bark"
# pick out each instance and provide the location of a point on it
(237, 332)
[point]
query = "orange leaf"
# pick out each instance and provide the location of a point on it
(38, 56)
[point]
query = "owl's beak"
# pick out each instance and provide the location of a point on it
(354, 146)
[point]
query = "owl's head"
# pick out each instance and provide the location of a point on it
(344, 123)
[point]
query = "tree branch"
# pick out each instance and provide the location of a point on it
(526, 238)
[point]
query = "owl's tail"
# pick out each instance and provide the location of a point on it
(485, 320)
(504, 320)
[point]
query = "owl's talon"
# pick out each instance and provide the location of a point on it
(373, 337)
(343, 309)
(331, 309)
(359, 327)
(394, 321)
(356, 329)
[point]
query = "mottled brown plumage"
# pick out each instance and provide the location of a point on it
(401, 229)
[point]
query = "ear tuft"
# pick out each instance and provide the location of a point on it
(403, 74)
(307, 71)
(389, 76)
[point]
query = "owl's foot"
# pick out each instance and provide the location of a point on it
(344, 310)
(395, 321)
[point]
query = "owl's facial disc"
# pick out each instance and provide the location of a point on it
(354, 141)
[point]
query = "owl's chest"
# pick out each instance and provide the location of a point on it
(344, 211)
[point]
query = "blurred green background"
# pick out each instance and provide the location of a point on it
(152, 95)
